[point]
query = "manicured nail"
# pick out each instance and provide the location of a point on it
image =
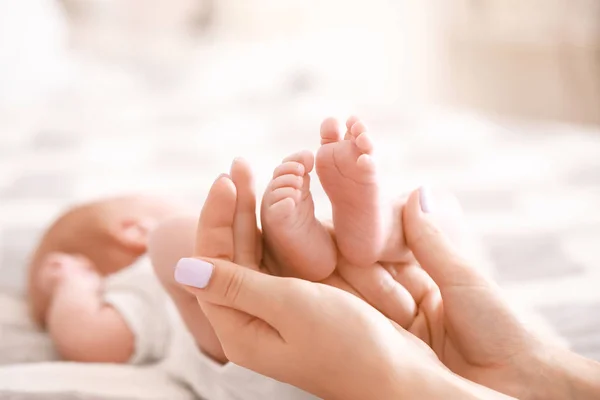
(193, 272)
(426, 199)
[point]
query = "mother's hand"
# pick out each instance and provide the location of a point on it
(314, 336)
(471, 328)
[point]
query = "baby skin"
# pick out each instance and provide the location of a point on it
(301, 245)
(361, 216)
(81, 326)
(68, 267)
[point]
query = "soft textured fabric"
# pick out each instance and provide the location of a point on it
(138, 296)
(52, 396)
(98, 381)
(20, 340)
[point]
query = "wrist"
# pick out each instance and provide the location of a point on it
(562, 374)
(455, 387)
(440, 383)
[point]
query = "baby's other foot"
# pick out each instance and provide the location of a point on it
(347, 172)
(294, 237)
(61, 268)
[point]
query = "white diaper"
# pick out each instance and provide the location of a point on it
(160, 334)
(138, 296)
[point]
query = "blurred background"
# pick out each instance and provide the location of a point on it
(497, 100)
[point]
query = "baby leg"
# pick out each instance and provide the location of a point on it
(82, 327)
(171, 241)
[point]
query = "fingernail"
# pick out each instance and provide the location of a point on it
(193, 272)
(426, 199)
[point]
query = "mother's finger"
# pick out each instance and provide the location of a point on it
(413, 278)
(247, 341)
(245, 231)
(239, 318)
(224, 283)
(379, 288)
(439, 253)
(214, 234)
(215, 238)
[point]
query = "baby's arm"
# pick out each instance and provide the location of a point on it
(84, 328)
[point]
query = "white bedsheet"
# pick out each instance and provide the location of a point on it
(29, 365)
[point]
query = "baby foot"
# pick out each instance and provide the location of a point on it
(58, 269)
(294, 237)
(347, 173)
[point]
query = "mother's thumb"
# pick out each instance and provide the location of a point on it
(227, 284)
(434, 231)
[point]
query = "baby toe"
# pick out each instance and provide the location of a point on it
(289, 168)
(364, 143)
(330, 131)
(289, 180)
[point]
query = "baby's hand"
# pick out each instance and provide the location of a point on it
(58, 269)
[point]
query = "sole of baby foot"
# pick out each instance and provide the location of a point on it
(348, 175)
(300, 245)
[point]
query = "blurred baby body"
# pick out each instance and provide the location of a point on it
(91, 286)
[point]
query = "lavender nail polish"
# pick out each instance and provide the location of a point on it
(193, 272)
(426, 199)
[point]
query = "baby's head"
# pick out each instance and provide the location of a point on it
(107, 235)
(110, 233)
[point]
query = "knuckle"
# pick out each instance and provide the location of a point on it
(386, 285)
(426, 234)
(234, 286)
